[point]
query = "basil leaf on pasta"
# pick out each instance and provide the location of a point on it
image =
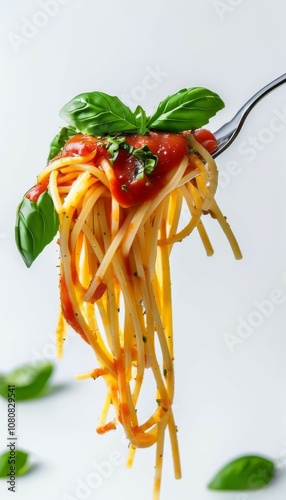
(141, 120)
(36, 225)
(99, 114)
(187, 109)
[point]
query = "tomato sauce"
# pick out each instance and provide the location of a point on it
(126, 186)
(67, 309)
(170, 150)
(35, 192)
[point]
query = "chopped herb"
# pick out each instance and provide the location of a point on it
(115, 143)
(148, 161)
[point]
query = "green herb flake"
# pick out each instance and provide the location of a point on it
(30, 380)
(114, 144)
(19, 460)
(244, 473)
(148, 161)
(144, 339)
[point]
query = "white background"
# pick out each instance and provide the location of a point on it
(230, 394)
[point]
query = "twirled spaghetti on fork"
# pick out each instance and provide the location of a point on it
(119, 216)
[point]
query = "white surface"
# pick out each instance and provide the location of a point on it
(228, 402)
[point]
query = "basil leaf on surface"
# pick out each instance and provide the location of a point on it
(244, 473)
(59, 141)
(187, 109)
(29, 380)
(99, 114)
(36, 225)
(19, 461)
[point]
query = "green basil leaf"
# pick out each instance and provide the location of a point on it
(19, 461)
(99, 114)
(244, 473)
(141, 120)
(59, 141)
(36, 225)
(186, 110)
(29, 380)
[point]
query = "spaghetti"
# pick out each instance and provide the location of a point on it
(115, 261)
(116, 232)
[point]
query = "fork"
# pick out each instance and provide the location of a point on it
(226, 134)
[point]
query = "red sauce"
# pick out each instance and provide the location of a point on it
(34, 193)
(67, 309)
(206, 138)
(170, 150)
(110, 426)
(102, 287)
(84, 145)
(79, 145)
(125, 186)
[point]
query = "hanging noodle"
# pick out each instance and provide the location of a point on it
(116, 288)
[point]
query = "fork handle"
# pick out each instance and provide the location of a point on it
(228, 132)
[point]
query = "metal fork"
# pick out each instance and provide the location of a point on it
(226, 134)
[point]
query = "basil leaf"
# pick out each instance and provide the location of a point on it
(59, 141)
(99, 114)
(244, 473)
(141, 120)
(19, 461)
(149, 161)
(29, 380)
(186, 110)
(36, 225)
